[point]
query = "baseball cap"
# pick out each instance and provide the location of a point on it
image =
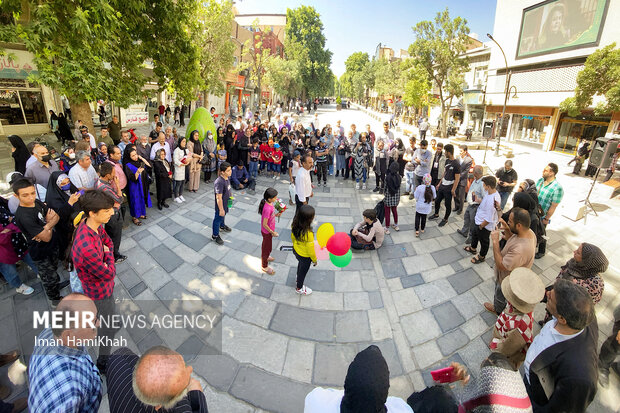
(276, 145)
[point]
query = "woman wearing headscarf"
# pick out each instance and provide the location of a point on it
(137, 184)
(64, 129)
(54, 125)
(365, 389)
(220, 135)
(229, 144)
(61, 196)
(163, 176)
(392, 195)
(243, 146)
(341, 154)
(209, 161)
(194, 148)
(101, 156)
(400, 148)
(20, 153)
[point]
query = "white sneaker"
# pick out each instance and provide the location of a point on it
(181, 198)
(364, 186)
(177, 200)
(357, 185)
(304, 291)
(24, 289)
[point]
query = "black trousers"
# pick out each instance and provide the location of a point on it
(250, 183)
(303, 265)
(321, 171)
(420, 221)
(47, 267)
(481, 235)
(422, 134)
(114, 228)
(105, 308)
(610, 348)
(356, 245)
(542, 245)
(380, 178)
(298, 203)
(459, 199)
(349, 169)
(444, 192)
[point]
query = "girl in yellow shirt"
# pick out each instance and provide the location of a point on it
(303, 246)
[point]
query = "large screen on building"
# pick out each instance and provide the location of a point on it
(559, 25)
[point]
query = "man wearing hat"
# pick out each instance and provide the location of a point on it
(513, 333)
(518, 252)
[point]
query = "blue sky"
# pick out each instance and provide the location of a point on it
(359, 25)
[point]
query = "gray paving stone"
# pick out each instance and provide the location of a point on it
(149, 243)
(420, 327)
(319, 280)
(412, 280)
(452, 341)
(390, 353)
(434, 292)
(331, 363)
(447, 316)
(303, 323)
(140, 260)
(458, 238)
(218, 370)
(248, 226)
(446, 256)
(487, 336)
(141, 235)
(128, 277)
(191, 348)
(393, 268)
(359, 264)
(488, 317)
(150, 340)
(395, 251)
(256, 310)
(192, 239)
(352, 326)
(167, 258)
(137, 289)
(464, 280)
(456, 266)
(172, 290)
(474, 354)
(431, 232)
(375, 299)
(257, 388)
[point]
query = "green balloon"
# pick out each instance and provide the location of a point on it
(201, 121)
(342, 260)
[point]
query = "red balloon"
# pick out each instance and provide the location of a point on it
(339, 243)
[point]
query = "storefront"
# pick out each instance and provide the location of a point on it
(235, 84)
(23, 105)
(532, 125)
(572, 129)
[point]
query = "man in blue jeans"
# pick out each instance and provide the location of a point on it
(222, 195)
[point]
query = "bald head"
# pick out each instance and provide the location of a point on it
(73, 304)
(478, 171)
(161, 378)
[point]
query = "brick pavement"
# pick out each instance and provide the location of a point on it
(418, 299)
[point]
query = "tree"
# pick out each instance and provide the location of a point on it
(97, 49)
(305, 43)
(216, 48)
(258, 58)
(388, 78)
(283, 76)
(417, 85)
(599, 77)
(439, 49)
(353, 79)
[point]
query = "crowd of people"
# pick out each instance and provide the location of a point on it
(73, 210)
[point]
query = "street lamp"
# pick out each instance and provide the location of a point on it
(497, 138)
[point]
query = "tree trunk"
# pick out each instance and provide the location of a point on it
(205, 94)
(81, 110)
(444, 114)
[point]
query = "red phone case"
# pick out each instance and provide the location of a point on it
(445, 375)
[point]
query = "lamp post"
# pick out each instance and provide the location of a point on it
(497, 138)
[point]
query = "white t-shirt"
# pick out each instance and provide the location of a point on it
(487, 212)
(322, 400)
(303, 184)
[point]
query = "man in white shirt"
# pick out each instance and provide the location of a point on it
(387, 136)
(278, 111)
(486, 219)
(83, 175)
(303, 183)
(161, 144)
(560, 364)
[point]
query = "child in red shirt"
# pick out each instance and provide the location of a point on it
(265, 155)
(277, 160)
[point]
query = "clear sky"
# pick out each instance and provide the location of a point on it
(360, 25)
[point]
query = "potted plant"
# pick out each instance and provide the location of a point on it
(338, 103)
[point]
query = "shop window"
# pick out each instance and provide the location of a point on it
(529, 128)
(10, 109)
(571, 133)
(34, 109)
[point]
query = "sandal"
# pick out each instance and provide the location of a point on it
(396, 228)
(417, 233)
(470, 249)
(143, 217)
(136, 222)
(477, 259)
(269, 270)
(271, 259)
(387, 231)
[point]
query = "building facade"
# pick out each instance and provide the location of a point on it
(546, 44)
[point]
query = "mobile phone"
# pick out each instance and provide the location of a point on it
(81, 192)
(445, 375)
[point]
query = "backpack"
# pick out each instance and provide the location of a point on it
(380, 211)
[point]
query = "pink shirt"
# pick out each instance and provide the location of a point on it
(269, 212)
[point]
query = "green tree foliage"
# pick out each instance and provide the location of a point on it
(438, 48)
(388, 79)
(258, 57)
(417, 84)
(354, 80)
(97, 49)
(305, 43)
(283, 76)
(599, 77)
(215, 46)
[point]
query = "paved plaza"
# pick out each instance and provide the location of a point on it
(418, 299)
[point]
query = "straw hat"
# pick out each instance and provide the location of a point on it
(523, 288)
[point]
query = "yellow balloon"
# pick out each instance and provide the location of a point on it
(324, 233)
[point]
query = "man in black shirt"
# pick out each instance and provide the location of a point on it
(37, 222)
(506, 181)
(154, 135)
(447, 185)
